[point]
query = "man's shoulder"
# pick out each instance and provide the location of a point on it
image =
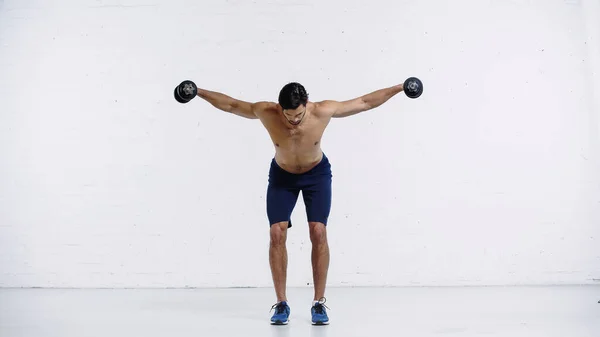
(265, 107)
(325, 108)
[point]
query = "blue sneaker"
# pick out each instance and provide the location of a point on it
(282, 313)
(319, 315)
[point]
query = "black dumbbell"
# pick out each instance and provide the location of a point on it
(186, 91)
(413, 87)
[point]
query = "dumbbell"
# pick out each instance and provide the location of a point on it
(186, 91)
(413, 87)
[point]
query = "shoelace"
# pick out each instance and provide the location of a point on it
(279, 308)
(319, 305)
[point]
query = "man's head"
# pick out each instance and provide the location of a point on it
(293, 99)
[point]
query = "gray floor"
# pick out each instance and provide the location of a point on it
(562, 311)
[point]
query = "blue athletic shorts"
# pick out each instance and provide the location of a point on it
(284, 187)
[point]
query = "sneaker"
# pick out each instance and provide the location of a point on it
(319, 315)
(282, 313)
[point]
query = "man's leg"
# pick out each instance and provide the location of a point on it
(282, 194)
(278, 258)
(320, 257)
(280, 203)
(317, 197)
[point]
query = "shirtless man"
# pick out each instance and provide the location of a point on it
(296, 126)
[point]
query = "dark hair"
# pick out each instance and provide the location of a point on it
(292, 95)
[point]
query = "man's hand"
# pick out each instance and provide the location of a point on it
(229, 104)
(367, 102)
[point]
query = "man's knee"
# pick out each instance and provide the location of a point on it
(279, 233)
(318, 232)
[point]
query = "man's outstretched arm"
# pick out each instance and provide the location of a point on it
(229, 104)
(362, 103)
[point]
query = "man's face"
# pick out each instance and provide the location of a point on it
(295, 116)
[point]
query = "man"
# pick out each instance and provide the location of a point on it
(296, 126)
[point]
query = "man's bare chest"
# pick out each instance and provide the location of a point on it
(309, 132)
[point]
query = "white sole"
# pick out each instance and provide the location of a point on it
(280, 323)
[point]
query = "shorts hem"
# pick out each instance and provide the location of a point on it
(323, 221)
(271, 223)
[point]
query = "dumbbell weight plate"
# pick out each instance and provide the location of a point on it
(185, 92)
(413, 87)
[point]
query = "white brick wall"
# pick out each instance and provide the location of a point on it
(491, 177)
